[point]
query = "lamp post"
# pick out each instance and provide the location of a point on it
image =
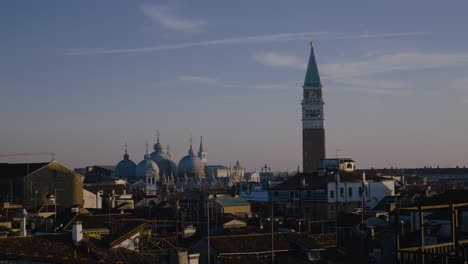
(272, 222)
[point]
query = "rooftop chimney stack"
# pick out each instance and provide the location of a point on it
(23, 231)
(77, 233)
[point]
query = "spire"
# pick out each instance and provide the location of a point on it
(158, 147)
(312, 77)
(147, 156)
(167, 152)
(201, 152)
(190, 152)
(126, 157)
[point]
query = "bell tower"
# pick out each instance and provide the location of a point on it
(313, 119)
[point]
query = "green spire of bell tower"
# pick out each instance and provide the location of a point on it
(312, 77)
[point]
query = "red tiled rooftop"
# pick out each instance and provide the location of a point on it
(59, 249)
(248, 243)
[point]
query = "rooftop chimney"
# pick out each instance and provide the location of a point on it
(23, 231)
(194, 258)
(178, 256)
(77, 233)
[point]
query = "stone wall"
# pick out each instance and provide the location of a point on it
(53, 179)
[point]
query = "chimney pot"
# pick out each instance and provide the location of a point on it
(77, 233)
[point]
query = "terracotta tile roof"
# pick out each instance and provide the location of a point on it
(248, 243)
(125, 256)
(38, 248)
(449, 197)
(121, 231)
(252, 259)
(97, 221)
(302, 241)
(59, 249)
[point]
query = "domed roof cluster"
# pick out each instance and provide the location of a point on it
(163, 160)
(147, 168)
(125, 167)
(159, 165)
(191, 166)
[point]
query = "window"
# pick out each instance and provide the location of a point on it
(360, 191)
(342, 192)
(309, 195)
(312, 113)
(332, 194)
(291, 195)
(350, 192)
(275, 194)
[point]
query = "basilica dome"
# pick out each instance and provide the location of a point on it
(147, 168)
(162, 160)
(173, 167)
(191, 165)
(126, 167)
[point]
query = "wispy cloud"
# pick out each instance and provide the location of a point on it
(167, 17)
(376, 91)
(198, 79)
(376, 83)
(362, 85)
(281, 60)
(403, 61)
(373, 86)
(221, 84)
(461, 85)
(257, 39)
(360, 75)
(377, 87)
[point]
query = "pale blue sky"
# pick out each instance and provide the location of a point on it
(81, 78)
